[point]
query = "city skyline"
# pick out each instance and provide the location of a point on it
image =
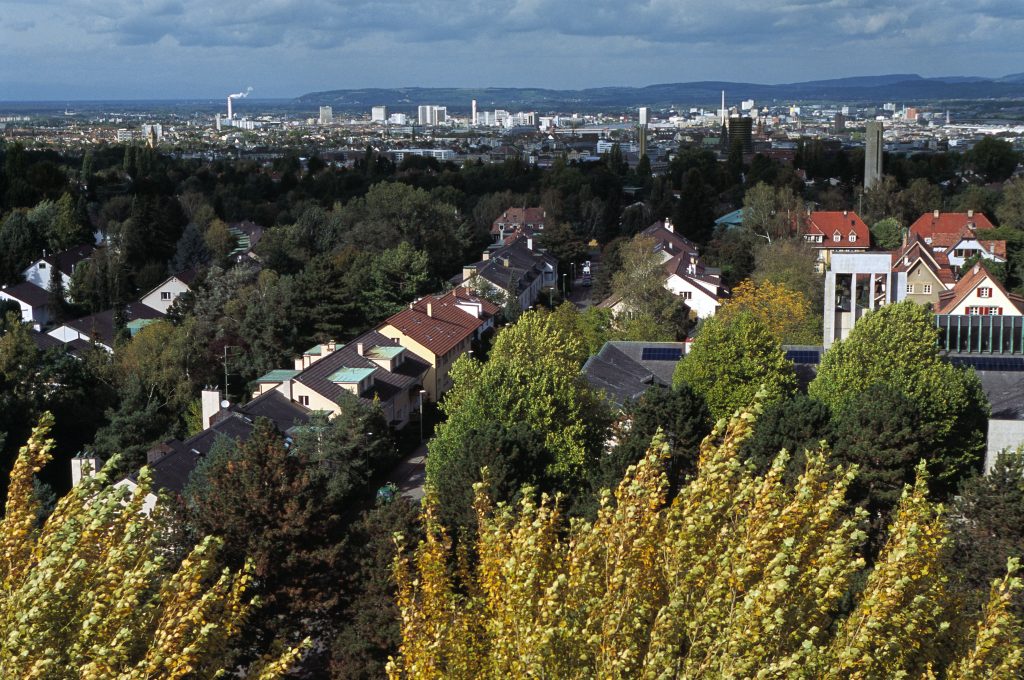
(172, 49)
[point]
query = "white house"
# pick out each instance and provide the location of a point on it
(698, 286)
(980, 293)
(969, 245)
(33, 301)
(40, 271)
(164, 295)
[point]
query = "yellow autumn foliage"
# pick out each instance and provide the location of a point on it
(92, 593)
(740, 576)
(785, 312)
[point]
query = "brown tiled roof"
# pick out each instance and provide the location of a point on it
(950, 299)
(66, 261)
(519, 217)
(447, 325)
(100, 326)
(828, 222)
(928, 225)
(997, 248)
(917, 250)
(668, 240)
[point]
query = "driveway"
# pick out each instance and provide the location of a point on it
(410, 474)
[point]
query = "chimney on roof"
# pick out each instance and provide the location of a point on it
(935, 214)
(486, 256)
(845, 213)
(977, 267)
(430, 309)
(210, 400)
(970, 213)
(529, 242)
(669, 225)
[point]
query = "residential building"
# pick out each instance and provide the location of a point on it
(172, 461)
(374, 368)
(700, 287)
(667, 243)
(33, 301)
(440, 329)
(624, 370)
(101, 328)
(163, 296)
(326, 116)
(978, 293)
(835, 231)
(378, 114)
(41, 271)
(518, 220)
(519, 270)
(939, 229)
(928, 273)
(440, 154)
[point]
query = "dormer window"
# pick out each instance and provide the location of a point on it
(42, 265)
(837, 237)
(853, 236)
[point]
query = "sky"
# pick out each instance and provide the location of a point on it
(181, 49)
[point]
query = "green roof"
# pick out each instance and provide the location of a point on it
(351, 375)
(315, 350)
(280, 375)
(384, 352)
(136, 325)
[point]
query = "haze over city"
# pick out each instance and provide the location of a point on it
(168, 49)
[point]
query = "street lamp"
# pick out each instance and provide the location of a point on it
(422, 392)
(226, 348)
(564, 294)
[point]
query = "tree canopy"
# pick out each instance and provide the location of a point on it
(739, 576)
(731, 360)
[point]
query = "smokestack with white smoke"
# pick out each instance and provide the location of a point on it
(237, 95)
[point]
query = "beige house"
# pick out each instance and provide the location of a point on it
(441, 329)
(372, 367)
(928, 272)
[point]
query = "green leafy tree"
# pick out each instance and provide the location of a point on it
(896, 346)
(993, 158)
(94, 591)
(269, 505)
(682, 417)
(396, 277)
(882, 433)
(988, 520)
(731, 360)
(191, 251)
(797, 425)
(887, 234)
(369, 623)
(640, 283)
(532, 377)
(1010, 211)
(771, 213)
(920, 197)
(66, 230)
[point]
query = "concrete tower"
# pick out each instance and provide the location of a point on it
(473, 115)
(873, 154)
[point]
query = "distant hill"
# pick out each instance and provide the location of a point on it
(900, 87)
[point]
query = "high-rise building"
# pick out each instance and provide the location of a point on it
(423, 115)
(873, 153)
(432, 115)
(472, 117)
(326, 115)
(840, 123)
(440, 114)
(643, 115)
(379, 114)
(742, 128)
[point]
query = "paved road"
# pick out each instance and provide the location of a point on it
(410, 474)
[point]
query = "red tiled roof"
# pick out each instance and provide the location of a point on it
(447, 325)
(928, 225)
(997, 248)
(906, 257)
(828, 222)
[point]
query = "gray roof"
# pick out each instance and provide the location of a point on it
(517, 262)
(386, 385)
(622, 374)
(179, 458)
(29, 293)
(1005, 391)
(100, 326)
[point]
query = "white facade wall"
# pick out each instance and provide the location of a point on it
(162, 297)
(703, 303)
(39, 273)
(37, 316)
(997, 299)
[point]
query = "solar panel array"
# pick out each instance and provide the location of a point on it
(983, 363)
(803, 356)
(661, 354)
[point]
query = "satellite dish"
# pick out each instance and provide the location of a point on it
(225, 403)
